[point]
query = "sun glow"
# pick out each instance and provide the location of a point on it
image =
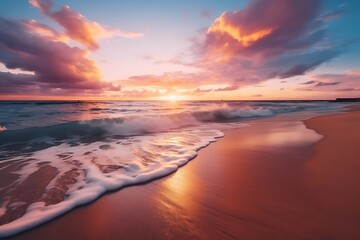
(172, 98)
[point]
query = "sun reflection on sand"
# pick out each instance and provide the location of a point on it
(294, 134)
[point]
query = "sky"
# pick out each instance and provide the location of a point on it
(179, 50)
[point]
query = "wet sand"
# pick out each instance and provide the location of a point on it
(267, 181)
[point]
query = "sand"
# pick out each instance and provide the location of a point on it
(267, 181)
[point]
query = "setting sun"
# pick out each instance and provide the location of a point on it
(173, 98)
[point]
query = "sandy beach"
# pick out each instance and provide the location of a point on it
(266, 181)
(180, 120)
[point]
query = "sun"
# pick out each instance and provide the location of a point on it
(172, 98)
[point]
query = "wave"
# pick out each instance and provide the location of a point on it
(86, 171)
(57, 132)
(138, 125)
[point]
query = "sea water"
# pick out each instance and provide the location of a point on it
(92, 147)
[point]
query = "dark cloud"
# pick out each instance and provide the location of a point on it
(328, 82)
(290, 65)
(56, 67)
(309, 82)
(266, 28)
(267, 39)
(348, 89)
(55, 64)
(298, 69)
(321, 84)
(13, 83)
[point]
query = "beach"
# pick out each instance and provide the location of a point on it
(266, 181)
(179, 120)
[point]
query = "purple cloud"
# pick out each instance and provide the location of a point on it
(309, 82)
(321, 84)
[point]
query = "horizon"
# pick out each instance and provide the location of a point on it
(182, 100)
(243, 51)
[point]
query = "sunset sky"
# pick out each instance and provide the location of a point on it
(115, 49)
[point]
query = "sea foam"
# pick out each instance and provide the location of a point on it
(104, 166)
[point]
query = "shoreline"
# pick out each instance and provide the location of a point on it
(260, 193)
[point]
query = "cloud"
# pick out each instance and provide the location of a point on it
(143, 93)
(321, 84)
(77, 27)
(33, 47)
(198, 90)
(349, 80)
(44, 31)
(257, 95)
(309, 82)
(267, 39)
(333, 15)
(348, 89)
(170, 80)
(229, 88)
(265, 28)
(347, 77)
(11, 83)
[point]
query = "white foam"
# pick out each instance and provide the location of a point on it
(136, 160)
(134, 125)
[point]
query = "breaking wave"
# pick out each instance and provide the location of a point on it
(136, 125)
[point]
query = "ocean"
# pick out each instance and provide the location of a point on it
(57, 155)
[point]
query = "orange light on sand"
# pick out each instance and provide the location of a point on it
(245, 39)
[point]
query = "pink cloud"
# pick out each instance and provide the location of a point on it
(37, 28)
(267, 39)
(329, 82)
(57, 67)
(264, 28)
(229, 88)
(79, 28)
(348, 89)
(170, 79)
(136, 94)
